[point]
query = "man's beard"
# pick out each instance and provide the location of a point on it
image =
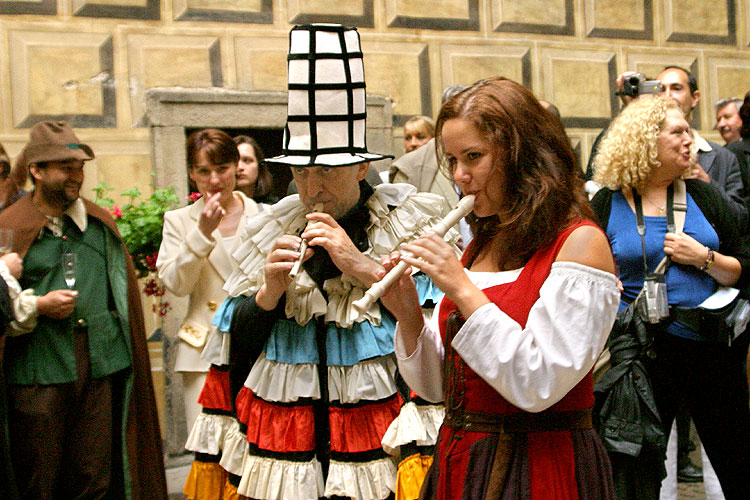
(56, 194)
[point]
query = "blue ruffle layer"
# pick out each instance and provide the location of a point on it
(429, 294)
(223, 315)
(294, 344)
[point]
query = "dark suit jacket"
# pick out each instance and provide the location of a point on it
(742, 150)
(723, 167)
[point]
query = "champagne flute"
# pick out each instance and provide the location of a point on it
(69, 268)
(6, 241)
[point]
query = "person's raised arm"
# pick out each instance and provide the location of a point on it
(182, 253)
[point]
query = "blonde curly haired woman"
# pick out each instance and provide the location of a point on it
(646, 149)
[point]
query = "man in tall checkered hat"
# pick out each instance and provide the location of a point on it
(316, 380)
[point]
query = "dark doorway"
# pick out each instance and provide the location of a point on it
(270, 141)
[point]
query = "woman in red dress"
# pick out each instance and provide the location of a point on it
(525, 315)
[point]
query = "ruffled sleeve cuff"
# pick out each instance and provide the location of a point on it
(23, 303)
(422, 370)
(13, 286)
(25, 312)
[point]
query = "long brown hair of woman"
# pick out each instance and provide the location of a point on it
(543, 191)
(264, 183)
(13, 179)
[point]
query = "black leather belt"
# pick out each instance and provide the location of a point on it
(519, 422)
(691, 318)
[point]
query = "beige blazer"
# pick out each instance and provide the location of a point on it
(419, 168)
(189, 264)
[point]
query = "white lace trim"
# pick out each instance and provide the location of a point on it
(371, 380)
(415, 423)
(208, 432)
(367, 481)
(283, 382)
(270, 479)
(234, 451)
(216, 350)
(388, 228)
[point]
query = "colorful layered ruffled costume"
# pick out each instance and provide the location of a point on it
(323, 392)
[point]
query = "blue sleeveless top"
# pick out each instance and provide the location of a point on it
(687, 286)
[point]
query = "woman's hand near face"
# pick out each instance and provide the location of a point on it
(437, 259)
(279, 261)
(211, 216)
(697, 172)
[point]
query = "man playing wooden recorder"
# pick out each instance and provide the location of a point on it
(316, 380)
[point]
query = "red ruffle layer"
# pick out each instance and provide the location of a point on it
(292, 428)
(242, 404)
(276, 428)
(215, 392)
(361, 428)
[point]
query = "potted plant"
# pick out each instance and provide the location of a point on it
(140, 222)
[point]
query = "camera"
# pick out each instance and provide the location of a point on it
(653, 304)
(635, 85)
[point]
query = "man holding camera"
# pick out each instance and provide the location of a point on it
(715, 165)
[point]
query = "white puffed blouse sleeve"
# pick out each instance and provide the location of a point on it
(532, 367)
(422, 371)
(23, 302)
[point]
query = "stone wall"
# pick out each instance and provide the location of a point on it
(92, 63)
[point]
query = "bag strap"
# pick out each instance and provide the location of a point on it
(641, 225)
(676, 211)
(670, 209)
(674, 223)
(679, 204)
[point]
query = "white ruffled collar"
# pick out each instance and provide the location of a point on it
(413, 215)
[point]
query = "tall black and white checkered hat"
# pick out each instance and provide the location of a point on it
(326, 113)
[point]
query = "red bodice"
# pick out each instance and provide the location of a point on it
(550, 455)
(516, 299)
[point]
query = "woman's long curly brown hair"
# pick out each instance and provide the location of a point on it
(543, 187)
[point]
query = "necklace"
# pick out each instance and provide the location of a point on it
(239, 208)
(230, 214)
(662, 209)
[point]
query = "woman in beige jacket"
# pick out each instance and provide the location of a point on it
(195, 254)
